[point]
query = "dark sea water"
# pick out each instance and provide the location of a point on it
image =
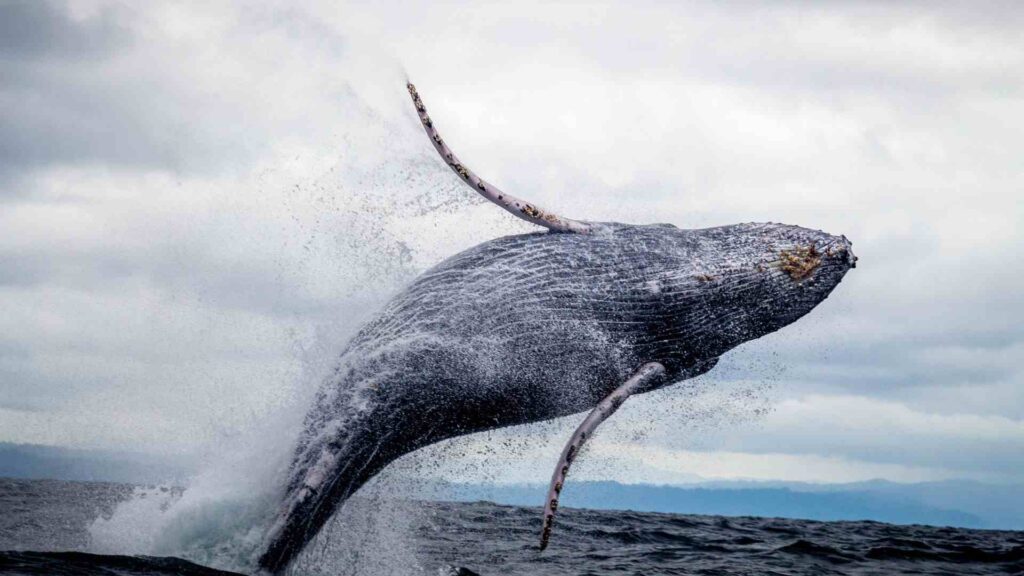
(43, 530)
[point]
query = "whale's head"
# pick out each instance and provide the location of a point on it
(797, 268)
(723, 286)
(694, 295)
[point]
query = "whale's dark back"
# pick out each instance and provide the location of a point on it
(532, 327)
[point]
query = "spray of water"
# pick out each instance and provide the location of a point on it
(348, 235)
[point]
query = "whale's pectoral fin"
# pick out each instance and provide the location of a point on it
(526, 210)
(638, 382)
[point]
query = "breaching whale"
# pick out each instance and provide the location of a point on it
(536, 326)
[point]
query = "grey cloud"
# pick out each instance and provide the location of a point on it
(768, 46)
(115, 90)
(33, 29)
(23, 270)
(914, 318)
(41, 123)
(882, 438)
(245, 284)
(80, 114)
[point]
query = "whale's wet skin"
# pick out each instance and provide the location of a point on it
(533, 327)
(537, 326)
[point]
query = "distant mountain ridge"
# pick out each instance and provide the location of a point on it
(777, 502)
(36, 461)
(964, 504)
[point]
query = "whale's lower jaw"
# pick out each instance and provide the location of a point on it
(330, 471)
(307, 509)
(334, 470)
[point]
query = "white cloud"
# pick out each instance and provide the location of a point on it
(529, 457)
(888, 432)
(709, 433)
(664, 466)
(214, 188)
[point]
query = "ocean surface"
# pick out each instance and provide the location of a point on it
(44, 529)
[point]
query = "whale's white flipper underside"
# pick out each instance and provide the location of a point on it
(526, 210)
(638, 382)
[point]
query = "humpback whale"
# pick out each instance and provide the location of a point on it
(537, 326)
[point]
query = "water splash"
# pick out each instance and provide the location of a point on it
(347, 236)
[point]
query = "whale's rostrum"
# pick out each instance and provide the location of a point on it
(537, 326)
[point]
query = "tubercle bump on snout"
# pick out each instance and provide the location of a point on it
(844, 253)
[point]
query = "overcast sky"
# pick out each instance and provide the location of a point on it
(199, 202)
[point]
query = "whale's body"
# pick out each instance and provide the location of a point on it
(537, 326)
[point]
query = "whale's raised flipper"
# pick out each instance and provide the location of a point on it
(641, 381)
(526, 210)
